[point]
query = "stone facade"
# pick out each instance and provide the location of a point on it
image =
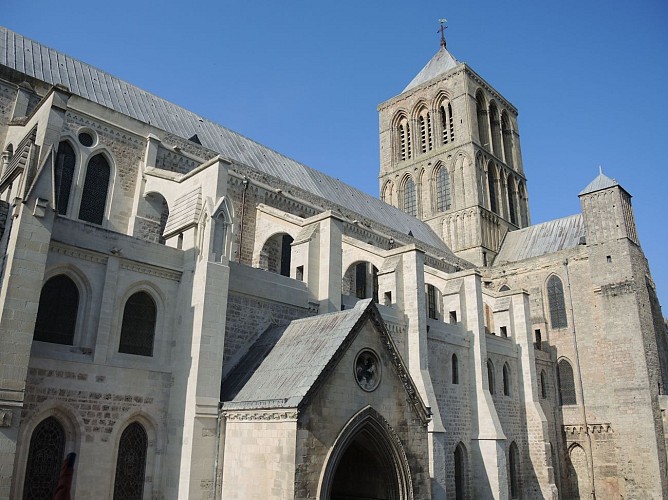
(540, 351)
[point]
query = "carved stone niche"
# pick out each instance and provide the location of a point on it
(5, 417)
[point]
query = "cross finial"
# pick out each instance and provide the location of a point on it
(442, 30)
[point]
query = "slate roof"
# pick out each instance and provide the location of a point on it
(442, 62)
(46, 64)
(602, 181)
(541, 239)
(286, 361)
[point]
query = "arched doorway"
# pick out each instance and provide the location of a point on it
(367, 463)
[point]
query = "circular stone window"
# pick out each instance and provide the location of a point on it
(86, 138)
(367, 370)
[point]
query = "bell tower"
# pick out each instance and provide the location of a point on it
(450, 155)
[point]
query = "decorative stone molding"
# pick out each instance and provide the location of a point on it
(151, 270)
(591, 429)
(262, 416)
(77, 253)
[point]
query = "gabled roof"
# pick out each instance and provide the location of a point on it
(541, 239)
(48, 65)
(602, 181)
(285, 365)
(442, 62)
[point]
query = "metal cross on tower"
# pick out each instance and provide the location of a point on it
(442, 30)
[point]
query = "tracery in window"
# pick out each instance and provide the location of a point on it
(131, 463)
(45, 457)
(96, 186)
(443, 192)
(410, 204)
(57, 311)
(566, 382)
(555, 299)
(138, 329)
(63, 176)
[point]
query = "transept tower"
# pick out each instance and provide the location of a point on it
(450, 155)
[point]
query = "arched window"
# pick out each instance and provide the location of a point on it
(461, 472)
(511, 200)
(63, 176)
(360, 280)
(410, 203)
(555, 299)
(506, 380)
(57, 311)
(447, 122)
(483, 124)
(156, 211)
(507, 140)
(138, 330)
(491, 187)
(496, 130)
(566, 383)
(524, 219)
(543, 384)
(455, 369)
(131, 463)
(443, 195)
(432, 307)
(425, 131)
(490, 376)
(96, 186)
(388, 191)
(45, 457)
(514, 470)
(286, 254)
(276, 254)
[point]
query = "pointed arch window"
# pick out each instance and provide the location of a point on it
(491, 187)
(496, 130)
(512, 212)
(555, 299)
(490, 376)
(461, 472)
(443, 194)
(138, 329)
(432, 308)
(507, 140)
(57, 311)
(410, 204)
(131, 463)
(506, 380)
(404, 139)
(63, 176)
(483, 123)
(455, 369)
(425, 132)
(45, 457)
(96, 186)
(521, 193)
(566, 382)
(447, 122)
(543, 385)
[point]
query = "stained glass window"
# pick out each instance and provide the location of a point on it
(138, 329)
(57, 311)
(566, 383)
(63, 175)
(96, 185)
(131, 463)
(555, 298)
(45, 457)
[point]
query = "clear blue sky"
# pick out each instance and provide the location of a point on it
(304, 77)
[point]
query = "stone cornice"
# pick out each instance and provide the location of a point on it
(150, 270)
(288, 415)
(77, 253)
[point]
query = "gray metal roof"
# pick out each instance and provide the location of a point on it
(602, 181)
(186, 211)
(541, 239)
(46, 64)
(442, 62)
(285, 362)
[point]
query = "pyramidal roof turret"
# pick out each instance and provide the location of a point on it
(441, 63)
(602, 181)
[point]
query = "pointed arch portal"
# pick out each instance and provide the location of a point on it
(367, 462)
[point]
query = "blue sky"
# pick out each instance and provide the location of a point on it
(304, 77)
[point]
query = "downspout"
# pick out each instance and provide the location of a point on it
(590, 455)
(243, 212)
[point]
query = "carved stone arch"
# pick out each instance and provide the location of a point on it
(370, 432)
(84, 196)
(155, 443)
(70, 421)
(154, 207)
(482, 119)
(577, 470)
(408, 194)
(419, 108)
(159, 301)
(401, 136)
(360, 278)
(388, 192)
(223, 230)
(276, 251)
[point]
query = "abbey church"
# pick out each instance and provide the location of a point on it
(198, 316)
